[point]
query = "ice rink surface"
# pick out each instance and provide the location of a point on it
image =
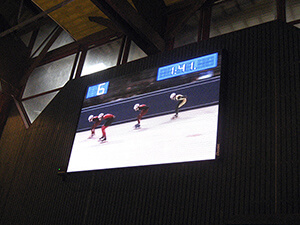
(160, 140)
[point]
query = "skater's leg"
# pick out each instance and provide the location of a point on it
(106, 124)
(139, 117)
(179, 105)
(103, 133)
(92, 133)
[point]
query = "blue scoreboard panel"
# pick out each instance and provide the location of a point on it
(188, 66)
(96, 90)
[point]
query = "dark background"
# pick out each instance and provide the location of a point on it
(255, 181)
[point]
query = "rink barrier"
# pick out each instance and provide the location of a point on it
(199, 94)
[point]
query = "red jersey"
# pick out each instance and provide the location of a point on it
(108, 116)
(143, 107)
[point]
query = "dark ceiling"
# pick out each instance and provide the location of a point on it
(149, 23)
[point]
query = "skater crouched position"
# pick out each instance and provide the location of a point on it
(144, 109)
(182, 99)
(109, 118)
(96, 121)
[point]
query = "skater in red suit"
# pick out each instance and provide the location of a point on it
(144, 109)
(96, 121)
(181, 99)
(109, 118)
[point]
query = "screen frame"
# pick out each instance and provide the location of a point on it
(222, 88)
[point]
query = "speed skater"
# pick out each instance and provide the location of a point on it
(181, 99)
(108, 118)
(96, 120)
(144, 109)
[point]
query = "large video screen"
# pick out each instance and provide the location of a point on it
(157, 116)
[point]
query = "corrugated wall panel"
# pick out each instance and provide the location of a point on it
(256, 175)
(288, 98)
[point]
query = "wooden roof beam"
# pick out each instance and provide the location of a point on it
(35, 18)
(194, 5)
(104, 22)
(127, 19)
(154, 12)
(38, 59)
(94, 40)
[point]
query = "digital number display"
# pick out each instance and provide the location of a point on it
(188, 66)
(98, 89)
